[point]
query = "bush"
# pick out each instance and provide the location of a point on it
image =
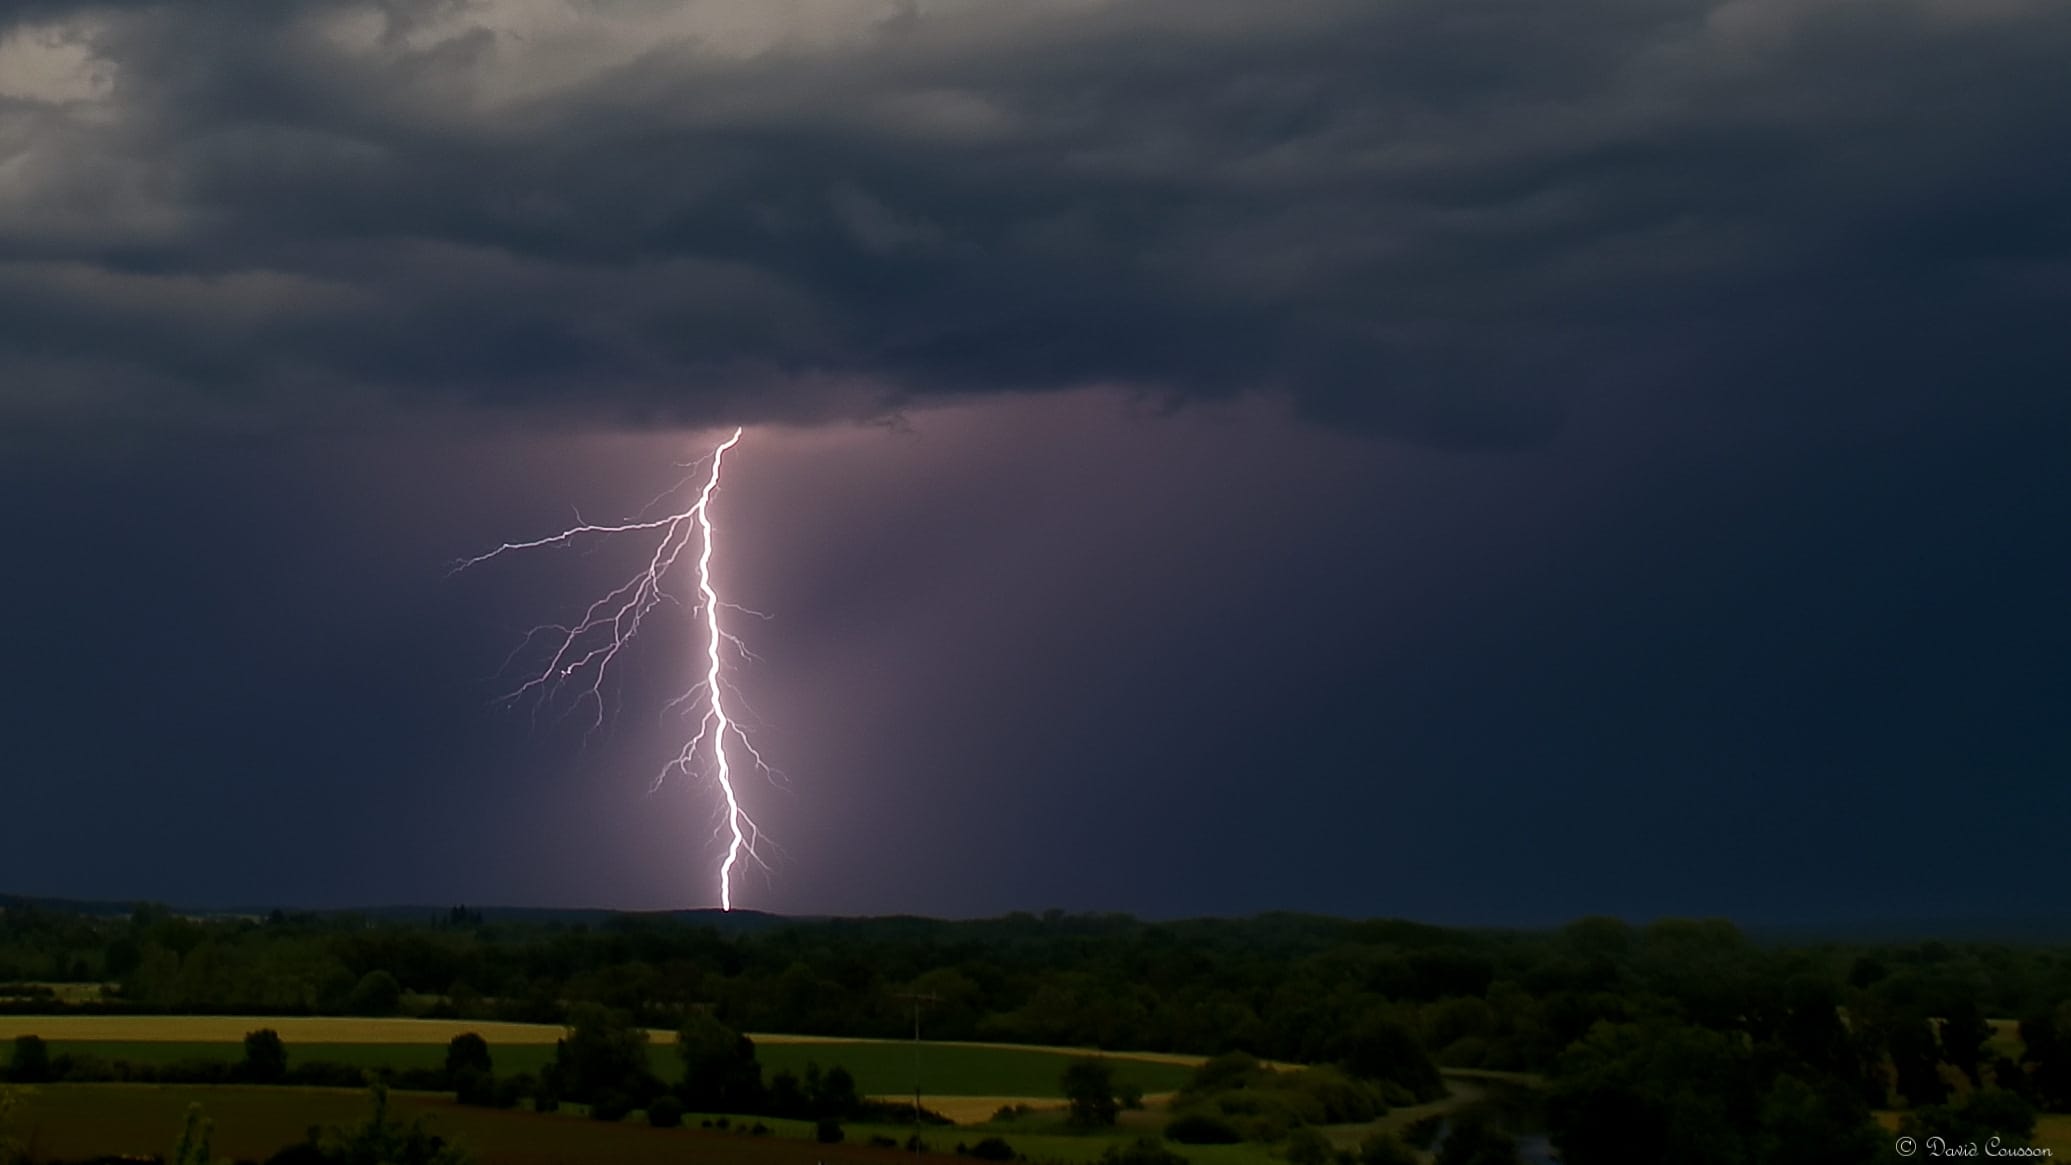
(665, 1112)
(1089, 1086)
(880, 1141)
(31, 1063)
(510, 1090)
(473, 1086)
(992, 1149)
(1984, 1114)
(612, 1106)
(1424, 1131)
(377, 993)
(1142, 1151)
(1385, 1148)
(323, 1074)
(468, 1051)
(828, 1131)
(891, 1112)
(265, 1057)
(1306, 1146)
(1202, 1128)
(411, 1079)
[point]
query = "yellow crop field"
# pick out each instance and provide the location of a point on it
(348, 1030)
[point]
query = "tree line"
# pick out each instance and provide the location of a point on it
(1674, 1025)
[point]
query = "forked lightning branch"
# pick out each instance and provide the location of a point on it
(583, 652)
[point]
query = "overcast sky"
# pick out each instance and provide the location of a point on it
(1475, 460)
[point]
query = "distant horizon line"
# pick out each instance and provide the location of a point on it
(1977, 926)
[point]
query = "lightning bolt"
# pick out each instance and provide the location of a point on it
(584, 651)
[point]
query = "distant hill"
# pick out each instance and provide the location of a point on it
(733, 922)
(2019, 930)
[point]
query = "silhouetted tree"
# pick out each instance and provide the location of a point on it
(381, 1140)
(265, 1057)
(1633, 1094)
(377, 993)
(719, 1069)
(1477, 1139)
(1089, 1089)
(1803, 1123)
(785, 1097)
(468, 1071)
(197, 1137)
(31, 1062)
(1983, 1115)
(1385, 1148)
(1915, 1058)
(1382, 1048)
(1306, 1146)
(468, 1052)
(1964, 1032)
(602, 1057)
(835, 1095)
(2046, 1051)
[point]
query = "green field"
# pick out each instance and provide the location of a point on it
(83, 1120)
(880, 1068)
(958, 1070)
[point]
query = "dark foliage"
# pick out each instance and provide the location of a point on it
(1089, 1092)
(31, 1063)
(1143, 1151)
(265, 1057)
(1202, 1128)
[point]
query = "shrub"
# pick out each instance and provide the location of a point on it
(377, 993)
(612, 1106)
(992, 1149)
(265, 1057)
(665, 1112)
(473, 1086)
(512, 1089)
(31, 1063)
(1385, 1148)
(1306, 1146)
(468, 1051)
(1142, 1151)
(828, 1131)
(1202, 1128)
(1424, 1131)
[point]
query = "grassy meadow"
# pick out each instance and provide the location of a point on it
(75, 1121)
(81, 1120)
(950, 1071)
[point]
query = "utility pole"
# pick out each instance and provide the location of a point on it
(918, 998)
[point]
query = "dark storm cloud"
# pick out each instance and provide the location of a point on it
(1444, 220)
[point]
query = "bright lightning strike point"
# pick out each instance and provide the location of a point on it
(589, 647)
(734, 817)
